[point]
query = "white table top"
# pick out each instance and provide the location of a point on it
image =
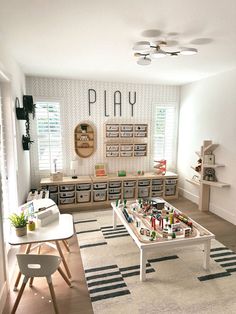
(57, 230)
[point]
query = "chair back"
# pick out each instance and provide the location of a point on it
(34, 265)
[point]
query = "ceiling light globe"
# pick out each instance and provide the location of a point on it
(141, 45)
(188, 51)
(144, 61)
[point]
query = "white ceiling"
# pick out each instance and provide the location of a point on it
(93, 39)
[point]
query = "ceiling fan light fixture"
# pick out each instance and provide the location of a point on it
(144, 61)
(158, 54)
(141, 45)
(188, 51)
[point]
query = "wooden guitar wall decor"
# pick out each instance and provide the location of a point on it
(84, 137)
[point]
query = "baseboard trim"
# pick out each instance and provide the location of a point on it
(190, 196)
(3, 296)
(221, 212)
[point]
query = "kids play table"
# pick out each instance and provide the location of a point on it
(198, 234)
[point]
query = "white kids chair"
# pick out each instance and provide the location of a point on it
(34, 265)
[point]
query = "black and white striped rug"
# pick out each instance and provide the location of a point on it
(176, 281)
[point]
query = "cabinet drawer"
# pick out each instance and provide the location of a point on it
(112, 154)
(53, 188)
(100, 186)
(83, 186)
(171, 181)
(126, 134)
(170, 189)
(129, 192)
(140, 147)
(157, 194)
(129, 183)
(140, 128)
(127, 147)
(112, 127)
(114, 196)
(66, 200)
(99, 196)
(157, 187)
(68, 187)
(126, 154)
(67, 194)
(157, 182)
(114, 190)
(140, 154)
(112, 134)
(144, 183)
(112, 148)
(83, 196)
(114, 184)
(126, 127)
(143, 192)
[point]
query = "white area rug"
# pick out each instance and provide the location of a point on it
(176, 281)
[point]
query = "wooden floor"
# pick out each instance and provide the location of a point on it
(76, 300)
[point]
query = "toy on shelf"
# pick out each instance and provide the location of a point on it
(160, 166)
(209, 174)
(198, 168)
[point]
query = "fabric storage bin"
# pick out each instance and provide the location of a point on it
(143, 192)
(128, 192)
(83, 196)
(114, 184)
(170, 189)
(126, 154)
(67, 194)
(140, 134)
(144, 183)
(54, 197)
(68, 187)
(157, 187)
(112, 154)
(83, 186)
(99, 196)
(53, 188)
(67, 200)
(112, 127)
(129, 183)
(171, 181)
(126, 127)
(157, 182)
(114, 190)
(98, 186)
(114, 196)
(157, 194)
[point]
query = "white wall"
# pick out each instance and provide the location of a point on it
(73, 96)
(208, 112)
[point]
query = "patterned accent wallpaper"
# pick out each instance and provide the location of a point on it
(73, 97)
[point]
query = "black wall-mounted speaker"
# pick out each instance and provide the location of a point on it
(28, 103)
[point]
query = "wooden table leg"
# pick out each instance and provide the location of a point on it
(142, 265)
(63, 259)
(114, 219)
(27, 250)
(207, 249)
(66, 245)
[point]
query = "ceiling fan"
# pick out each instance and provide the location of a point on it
(146, 51)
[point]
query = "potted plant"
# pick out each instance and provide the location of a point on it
(19, 221)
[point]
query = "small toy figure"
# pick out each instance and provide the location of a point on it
(142, 231)
(153, 222)
(165, 233)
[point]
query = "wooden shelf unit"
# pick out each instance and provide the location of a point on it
(84, 139)
(207, 149)
(91, 192)
(126, 140)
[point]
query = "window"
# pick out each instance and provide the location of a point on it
(49, 139)
(165, 134)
